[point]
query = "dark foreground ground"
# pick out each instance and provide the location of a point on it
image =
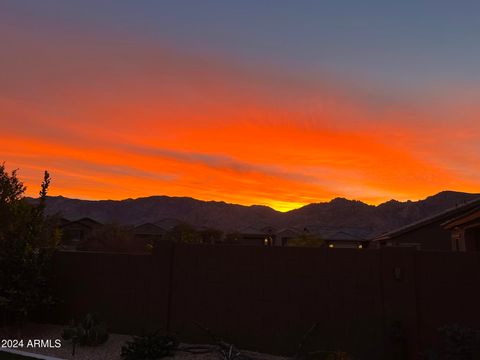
(109, 351)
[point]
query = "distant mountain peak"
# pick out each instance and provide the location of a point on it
(354, 216)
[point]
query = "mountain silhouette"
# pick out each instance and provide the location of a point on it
(351, 216)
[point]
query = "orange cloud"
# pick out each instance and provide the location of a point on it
(114, 120)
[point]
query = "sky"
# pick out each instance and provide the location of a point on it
(278, 103)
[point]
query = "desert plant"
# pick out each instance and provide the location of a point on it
(302, 353)
(150, 347)
(338, 355)
(89, 332)
(226, 350)
(457, 342)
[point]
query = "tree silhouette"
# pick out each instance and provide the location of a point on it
(184, 233)
(27, 241)
(308, 240)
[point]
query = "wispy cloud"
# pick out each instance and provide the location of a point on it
(112, 119)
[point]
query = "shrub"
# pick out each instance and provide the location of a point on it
(307, 240)
(226, 350)
(457, 342)
(302, 353)
(150, 347)
(184, 233)
(89, 332)
(338, 355)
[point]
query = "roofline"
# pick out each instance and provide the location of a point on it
(75, 222)
(472, 215)
(148, 223)
(428, 220)
(88, 218)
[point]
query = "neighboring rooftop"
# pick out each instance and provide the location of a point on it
(463, 219)
(445, 216)
(86, 221)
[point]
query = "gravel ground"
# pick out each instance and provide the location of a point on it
(108, 351)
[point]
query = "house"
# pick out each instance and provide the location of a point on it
(258, 236)
(343, 240)
(330, 237)
(286, 234)
(334, 237)
(168, 223)
(75, 232)
(61, 221)
(465, 231)
(148, 232)
(455, 229)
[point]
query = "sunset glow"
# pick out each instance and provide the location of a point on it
(113, 117)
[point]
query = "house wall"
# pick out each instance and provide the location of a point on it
(375, 304)
(472, 238)
(75, 232)
(431, 237)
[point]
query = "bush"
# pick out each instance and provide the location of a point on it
(457, 342)
(338, 355)
(184, 233)
(307, 240)
(89, 332)
(149, 347)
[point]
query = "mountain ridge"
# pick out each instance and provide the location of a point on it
(353, 216)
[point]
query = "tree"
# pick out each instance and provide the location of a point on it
(307, 240)
(27, 240)
(112, 237)
(11, 192)
(184, 233)
(211, 236)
